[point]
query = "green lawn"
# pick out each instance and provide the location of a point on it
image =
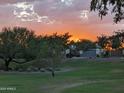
(76, 76)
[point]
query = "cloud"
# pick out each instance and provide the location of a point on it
(67, 2)
(50, 11)
(84, 14)
(15, 1)
(25, 12)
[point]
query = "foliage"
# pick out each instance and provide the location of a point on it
(20, 45)
(104, 6)
(102, 41)
(85, 45)
(15, 44)
(52, 48)
(115, 41)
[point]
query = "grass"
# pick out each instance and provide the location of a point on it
(80, 76)
(112, 86)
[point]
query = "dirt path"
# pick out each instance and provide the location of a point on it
(59, 88)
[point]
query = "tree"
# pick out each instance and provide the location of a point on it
(117, 39)
(15, 44)
(52, 49)
(120, 34)
(102, 41)
(104, 6)
(85, 45)
(53, 46)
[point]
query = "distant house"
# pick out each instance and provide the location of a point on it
(95, 53)
(89, 53)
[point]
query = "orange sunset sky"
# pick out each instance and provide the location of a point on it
(61, 16)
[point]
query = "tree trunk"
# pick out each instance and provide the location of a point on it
(7, 65)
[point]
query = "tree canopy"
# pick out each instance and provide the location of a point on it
(13, 45)
(20, 45)
(52, 48)
(85, 44)
(114, 41)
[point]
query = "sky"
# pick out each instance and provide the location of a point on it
(61, 16)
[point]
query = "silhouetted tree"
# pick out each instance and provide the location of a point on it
(102, 41)
(104, 6)
(85, 45)
(117, 39)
